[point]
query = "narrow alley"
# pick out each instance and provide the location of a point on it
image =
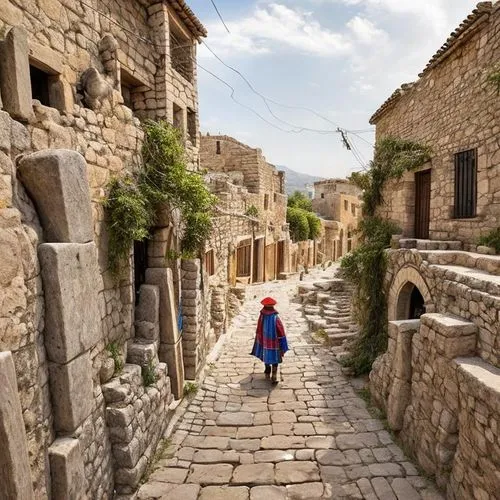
(309, 437)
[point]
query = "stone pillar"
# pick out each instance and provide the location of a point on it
(171, 349)
(66, 468)
(15, 81)
(15, 476)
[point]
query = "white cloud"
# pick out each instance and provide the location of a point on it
(365, 31)
(277, 26)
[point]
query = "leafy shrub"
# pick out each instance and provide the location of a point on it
(492, 239)
(314, 225)
(149, 376)
(252, 211)
(115, 354)
(299, 223)
(300, 200)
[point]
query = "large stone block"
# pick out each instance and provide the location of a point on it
(72, 392)
(163, 278)
(70, 279)
(15, 477)
(15, 74)
(172, 355)
(57, 182)
(66, 469)
(148, 308)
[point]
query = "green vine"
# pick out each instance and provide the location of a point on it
(149, 375)
(304, 223)
(252, 211)
(494, 78)
(164, 182)
(366, 266)
(115, 354)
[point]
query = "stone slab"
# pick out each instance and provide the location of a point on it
(15, 475)
(254, 474)
(296, 472)
(235, 418)
(56, 179)
(66, 469)
(210, 474)
(15, 75)
(70, 278)
(268, 493)
(305, 491)
(72, 392)
(224, 493)
(172, 355)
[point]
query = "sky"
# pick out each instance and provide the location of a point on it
(339, 58)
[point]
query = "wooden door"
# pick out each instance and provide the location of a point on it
(422, 204)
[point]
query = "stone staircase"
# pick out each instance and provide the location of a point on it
(327, 308)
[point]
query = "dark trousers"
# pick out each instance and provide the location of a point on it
(268, 368)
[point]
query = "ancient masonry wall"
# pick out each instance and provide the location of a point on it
(438, 381)
(67, 419)
(451, 108)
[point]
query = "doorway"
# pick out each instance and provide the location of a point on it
(422, 204)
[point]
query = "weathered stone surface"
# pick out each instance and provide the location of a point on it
(224, 493)
(170, 475)
(167, 491)
(66, 469)
(148, 308)
(306, 491)
(296, 472)
(210, 474)
(141, 354)
(282, 442)
(268, 456)
(72, 392)
(235, 418)
(57, 181)
(172, 355)
(15, 477)
(254, 474)
(70, 274)
(268, 493)
(15, 75)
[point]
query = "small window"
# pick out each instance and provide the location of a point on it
(266, 202)
(178, 117)
(40, 85)
(322, 195)
(210, 262)
(353, 209)
(140, 265)
(346, 205)
(465, 184)
(217, 147)
(130, 89)
(275, 197)
(181, 52)
(191, 125)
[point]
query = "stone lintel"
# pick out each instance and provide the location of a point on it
(66, 469)
(15, 475)
(56, 179)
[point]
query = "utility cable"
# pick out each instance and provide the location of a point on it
(220, 16)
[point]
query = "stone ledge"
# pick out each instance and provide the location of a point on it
(448, 326)
(486, 375)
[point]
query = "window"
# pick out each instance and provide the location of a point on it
(465, 184)
(181, 52)
(275, 197)
(129, 87)
(346, 205)
(217, 148)
(243, 255)
(210, 262)
(191, 125)
(40, 85)
(266, 202)
(322, 195)
(353, 209)
(140, 265)
(178, 117)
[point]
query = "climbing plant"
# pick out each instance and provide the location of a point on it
(163, 182)
(366, 266)
(494, 78)
(492, 239)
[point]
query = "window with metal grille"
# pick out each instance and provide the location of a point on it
(191, 125)
(243, 256)
(210, 262)
(465, 184)
(181, 52)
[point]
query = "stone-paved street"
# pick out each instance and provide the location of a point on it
(308, 437)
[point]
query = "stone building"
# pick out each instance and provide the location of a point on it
(439, 381)
(338, 203)
(76, 78)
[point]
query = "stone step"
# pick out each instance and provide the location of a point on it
(488, 263)
(429, 244)
(340, 338)
(472, 278)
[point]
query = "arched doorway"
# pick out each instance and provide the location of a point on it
(411, 303)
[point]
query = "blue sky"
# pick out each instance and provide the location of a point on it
(341, 58)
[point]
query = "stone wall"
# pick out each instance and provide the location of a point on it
(128, 45)
(451, 108)
(437, 381)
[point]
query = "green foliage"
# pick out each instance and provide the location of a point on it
(314, 225)
(494, 79)
(115, 354)
(190, 388)
(492, 239)
(299, 223)
(393, 157)
(164, 181)
(149, 376)
(252, 211)
(129, 218)
(366, 266)
(300, 200)
(322, 336)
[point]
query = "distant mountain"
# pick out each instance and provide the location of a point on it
(295, 181)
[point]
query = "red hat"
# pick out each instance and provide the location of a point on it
(268, 301)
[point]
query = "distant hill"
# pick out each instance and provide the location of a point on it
(295, 181)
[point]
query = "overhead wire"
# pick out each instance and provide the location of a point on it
(220, 16)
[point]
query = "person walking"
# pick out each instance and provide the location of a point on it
(270, 339)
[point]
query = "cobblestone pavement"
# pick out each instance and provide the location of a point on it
(309, 437)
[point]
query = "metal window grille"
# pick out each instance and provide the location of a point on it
(465, 184)
(181, 55)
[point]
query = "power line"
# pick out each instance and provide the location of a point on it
(220, 16)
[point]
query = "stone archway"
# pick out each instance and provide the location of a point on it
(409, 295)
